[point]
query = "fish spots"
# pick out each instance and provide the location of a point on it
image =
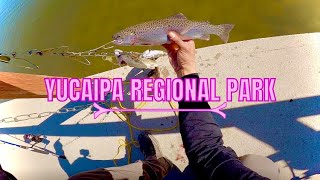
(157, 29)
(217, 56)
(257, 47)
(201, 64)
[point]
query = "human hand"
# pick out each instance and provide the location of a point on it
(181, 55)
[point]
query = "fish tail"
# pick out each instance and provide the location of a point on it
(222, 30)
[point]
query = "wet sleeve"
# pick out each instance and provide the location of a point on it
(202, 139)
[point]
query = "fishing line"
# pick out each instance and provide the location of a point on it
(32, 149)
(34, 146)
(7, 59)
(78, 137)
(102, 51)
(60, 51)
(126, 118)
(96, 52)
(123, 116)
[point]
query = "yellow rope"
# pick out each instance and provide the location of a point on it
(126, 118)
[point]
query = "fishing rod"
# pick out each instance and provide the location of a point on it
(34, 149)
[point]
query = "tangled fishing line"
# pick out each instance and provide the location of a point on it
(81, 57)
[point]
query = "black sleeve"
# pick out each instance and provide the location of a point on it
(202, 139)
(4, 175)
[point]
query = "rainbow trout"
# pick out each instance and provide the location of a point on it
(155, 32)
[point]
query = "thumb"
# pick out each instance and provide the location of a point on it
(176, 39)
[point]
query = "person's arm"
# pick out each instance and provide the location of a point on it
(202, 137)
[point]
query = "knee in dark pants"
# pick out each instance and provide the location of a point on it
(261, 165)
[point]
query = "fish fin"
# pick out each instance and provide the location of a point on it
(201, 30)
(223, 31)
(177, 16)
